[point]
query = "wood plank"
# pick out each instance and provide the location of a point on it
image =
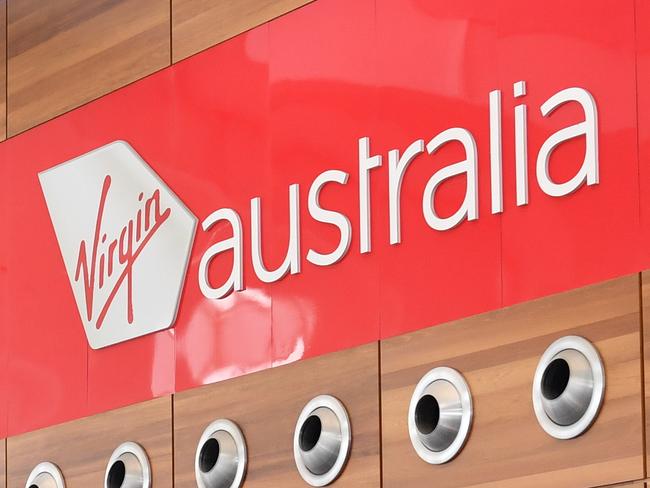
(199, 24)
(635, 484)
(645, 301)
(64, 53)
(266, 406)
(3, 72)
(3, 463)
(82, 448)
(498, 353)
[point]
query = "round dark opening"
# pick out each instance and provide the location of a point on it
(209, 455)
(427, 414)
(310, 433)
(116, 474)
(555, 379)
(33, 486)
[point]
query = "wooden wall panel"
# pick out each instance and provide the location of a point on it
(64, 53)
(636, 484)
(498, 353)
(3, 70)
(645, 299)
(3, 463)
(266, 406)
(82, 448)
(197, 24)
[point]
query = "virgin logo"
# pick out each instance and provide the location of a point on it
(120, 252)
(125, 239)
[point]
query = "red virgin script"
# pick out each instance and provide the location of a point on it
(120, 252)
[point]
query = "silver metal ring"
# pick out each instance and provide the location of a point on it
(221, 457)
(440, 415)
(569, 387)
(128, 467)
(322, 440)
(45, 475)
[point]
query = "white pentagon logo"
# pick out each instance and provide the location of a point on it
(125, 240)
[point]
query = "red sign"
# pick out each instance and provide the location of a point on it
(238, 126)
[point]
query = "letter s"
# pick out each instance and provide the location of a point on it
(329, 217)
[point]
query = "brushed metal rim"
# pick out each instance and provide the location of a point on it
(45, 469)
(456, 380)
(338, 409)
(131, 449)
(232, 429)
(592, 356)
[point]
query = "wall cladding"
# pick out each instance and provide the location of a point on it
(497, 353)
(50, 38)
(65, 53)
(82, 448)
(645, 297)
(3, 463)
(3, 72)
(60, 55)
(197, 25)
(266, 406)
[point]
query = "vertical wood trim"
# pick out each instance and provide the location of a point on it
(645, 311)
(3, 463)
(3, 72)
(644, 386)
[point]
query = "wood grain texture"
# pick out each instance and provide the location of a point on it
(199, 24)
(645, 301)
(3, 72)
(635, 484)
(64, 53)
(498, 353)
(3, 463)
(266, 406)
(82, 448)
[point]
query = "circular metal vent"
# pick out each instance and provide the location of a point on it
(45, 475)
(128, 467)
(440, 415)
(569, 387)
(322, 440)
(221, 456)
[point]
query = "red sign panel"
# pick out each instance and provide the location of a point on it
(416, 119)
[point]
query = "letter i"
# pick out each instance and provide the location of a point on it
(496, 158)
(138, 225)
(521, 145)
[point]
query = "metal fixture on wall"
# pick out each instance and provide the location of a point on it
(45, 475)
(128, 467)
(440, 415)
(569, 387)
(322, 440)
(221, 456)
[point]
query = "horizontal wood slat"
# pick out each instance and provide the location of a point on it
(498, 353)
(64, 53)
(199, 24)
(266, 406)
(83, 447)
(636, 484)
